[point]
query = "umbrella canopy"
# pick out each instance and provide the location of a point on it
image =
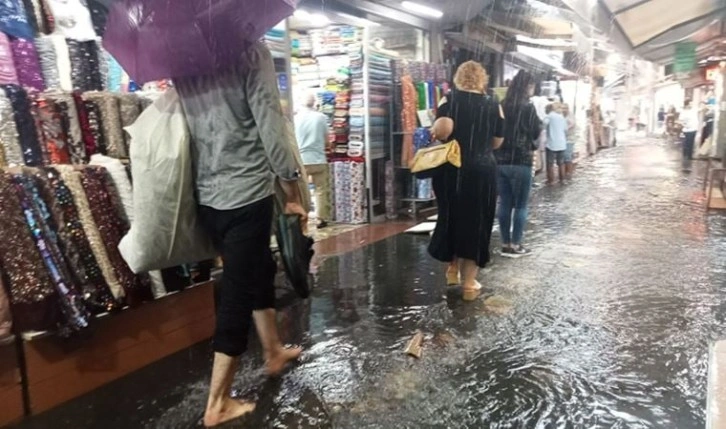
(155, 39)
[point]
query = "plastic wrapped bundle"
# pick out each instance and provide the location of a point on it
(27, 64)
(48, 62)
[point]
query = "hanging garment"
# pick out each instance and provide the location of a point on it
(14, 20)
(9, 138)
(32, 295)
(48, 62)
(27, 64)
(408, 119)
(32, 154)
(74, 242)
(72, 178)
(110, 115)
(8, 75)
(72, 19)
(50, 124)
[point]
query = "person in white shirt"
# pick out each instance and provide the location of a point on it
(556, 126)
(311, 131)
(689, 119)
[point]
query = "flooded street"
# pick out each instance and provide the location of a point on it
(606, 325)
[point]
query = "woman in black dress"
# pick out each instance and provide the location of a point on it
(467, 196)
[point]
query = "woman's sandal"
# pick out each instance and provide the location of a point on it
(471, 294)
(452, 278)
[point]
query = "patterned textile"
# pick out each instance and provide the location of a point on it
(74, 242)
(48, 62)
(63, 60)
(9, 138)
(110, 120)
(349, 190)
(27, 64)
(32, 295)
(71, 126)
(50, 127)
(85, 69)
(25, 123)
(6, 320)
(8, 75)
(72, 179)
(408, 119)
(72, 19)
(89, 139)
(14, 20)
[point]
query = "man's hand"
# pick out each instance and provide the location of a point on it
(297, 209)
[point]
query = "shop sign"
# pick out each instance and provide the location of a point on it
(685, 57)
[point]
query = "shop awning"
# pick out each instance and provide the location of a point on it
(653, 27)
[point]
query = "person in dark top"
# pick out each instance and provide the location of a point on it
(467, 196)
(514, 177)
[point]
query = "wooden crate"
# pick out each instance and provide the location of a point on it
(11, 391)
(60, 369)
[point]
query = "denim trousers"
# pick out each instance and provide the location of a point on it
(514, 183)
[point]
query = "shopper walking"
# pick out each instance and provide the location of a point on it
(240, 147)
(689, 119)
(556, 125)
(311, 131)
(514, 179)
(467, 196)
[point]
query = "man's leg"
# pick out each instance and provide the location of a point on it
(551, 162)
(561, 166)
(505, 205)
(321, 180)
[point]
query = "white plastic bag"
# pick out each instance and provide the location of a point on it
(165, 231)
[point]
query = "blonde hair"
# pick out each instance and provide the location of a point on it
(471, 76)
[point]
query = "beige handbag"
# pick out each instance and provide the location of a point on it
(427, 161)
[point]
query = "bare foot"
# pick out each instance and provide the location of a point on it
(230, 409)
(276, 363)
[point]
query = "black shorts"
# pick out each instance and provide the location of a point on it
(556, 157)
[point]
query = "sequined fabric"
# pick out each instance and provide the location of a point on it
(106, 208)
(95, 125)
(14, 20)
(110, 113)
(74, 243)
(48, 62)
(72, 179)
(32, 295)
(51, 126)
(25, 123)
(130, 111)
(75, 314)
(85, 74)
(9, 138)
(7, 64)
(71, 126)
(89, 140)
(27, 64)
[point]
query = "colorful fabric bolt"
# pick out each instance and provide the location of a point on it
(27, 64)
(8, 75)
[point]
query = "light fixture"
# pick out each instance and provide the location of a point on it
(315, 18)
(421, 9)
(359, 20)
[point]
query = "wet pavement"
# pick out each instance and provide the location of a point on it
(606, 325)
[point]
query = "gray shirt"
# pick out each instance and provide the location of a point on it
(240, 136)
(311, 131)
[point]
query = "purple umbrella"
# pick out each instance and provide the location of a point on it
(156, 39)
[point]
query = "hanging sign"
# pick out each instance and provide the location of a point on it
(685, 60)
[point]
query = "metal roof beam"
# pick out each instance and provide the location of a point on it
(350, 7)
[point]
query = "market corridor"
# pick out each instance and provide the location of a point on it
(606, 325)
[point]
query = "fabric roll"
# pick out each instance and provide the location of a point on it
(27, 64)
(63, 60)
(14, 20)
(8, 75)
(130, 111)
(9, 138)
(114, 74)
(75, 245)
(72, 19)
(72, 179)
(25, 123)
(120, 180)
(89, 140)
(71, 127)
(53, 135)
(106, 207)
(33, 298)
(95, 125)
(48, 62)
(408, 118)
(32, 15)
(99, 14)
(85, 74)
(101, 55)
(110, 112)
(38, 219)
